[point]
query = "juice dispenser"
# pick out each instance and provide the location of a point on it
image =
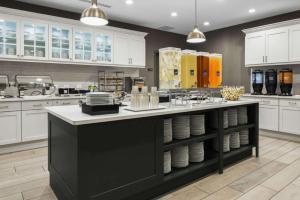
(202, 69)
(286, 82)
(189, 69)
(169, 68)
(215, 70)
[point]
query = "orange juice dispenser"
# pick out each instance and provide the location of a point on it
(169, 68)
(189, 69)
(215, 70)
(202, 69)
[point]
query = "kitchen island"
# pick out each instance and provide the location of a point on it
(121, 156)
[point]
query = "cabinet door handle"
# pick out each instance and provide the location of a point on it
(263, 59)
(3, 107)
(266, 59)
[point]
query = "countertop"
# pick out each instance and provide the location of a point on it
(273, 96)
(39, 98)
(73, 115)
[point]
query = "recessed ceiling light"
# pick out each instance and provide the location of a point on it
(129, 2)
(206, 23)
(252, 10)
(174, 14)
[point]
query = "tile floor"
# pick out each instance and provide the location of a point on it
(275, 175)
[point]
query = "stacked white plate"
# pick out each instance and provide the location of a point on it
(167, 130)
(232, 117)
(235, 140)
(99, 98)
(180, 157)
(226, 144)
(197, 124)
(244, 137)
(167, 162)
(242, 115)
(196, 152)
(225, 118)
(181, 127)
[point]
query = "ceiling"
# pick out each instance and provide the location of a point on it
(157, 13)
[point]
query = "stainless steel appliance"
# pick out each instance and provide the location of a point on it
(257, 82)
(286, 82)
(271, 81)
(34, 85)
(3, 84)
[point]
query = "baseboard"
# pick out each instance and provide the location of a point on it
(23, 146)
(280, 135)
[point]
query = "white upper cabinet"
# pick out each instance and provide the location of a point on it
(121, 54)
(34, 40)
(294, 42)
(103, 48)
(9, 37)
(255, 48)
(137, 52)
(60, 43)
(277, 45)
(83, 45)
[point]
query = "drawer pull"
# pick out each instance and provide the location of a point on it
(292, 103)
(3, 107)
(37, 105)
(66, 103)
(265, 101)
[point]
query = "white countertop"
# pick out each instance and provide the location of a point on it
(74, 116)
(272, 96)
(39, 98)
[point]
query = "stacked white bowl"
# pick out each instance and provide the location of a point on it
(232, 117)
(225, 118)
(99, 98)
(167, 130)
(181, 127)
(167, 162)
(196, 152)
(244, 137)
(235, 140)
(180, 156)
(242, 115)
(226, 144)
(197, 123)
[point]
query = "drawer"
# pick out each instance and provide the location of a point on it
(35, 105)
(66, 102)
(269, 101)
(10, 106)
(290, 103)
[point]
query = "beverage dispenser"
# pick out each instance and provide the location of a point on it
(286, 82)
(215, 70)
(257, 82)
(189, 69)
(271, 81)
(202, 69)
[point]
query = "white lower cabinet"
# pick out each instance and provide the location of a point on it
(268, 117)
(289, 120)
(10, 123)
(34, 125)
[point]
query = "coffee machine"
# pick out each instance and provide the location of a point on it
(257, 82)
(286, 82)
(271, 81)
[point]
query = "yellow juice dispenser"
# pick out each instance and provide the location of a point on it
(189, 69)
(169, 68)
(215, 70)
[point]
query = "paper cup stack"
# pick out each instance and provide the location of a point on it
(196, 152)
(167, 130)
(197, 124)
(244, 137)
(180, 157)
(232, 117)
(181, 127)
(226, 144)
(235, 140)
(167, 162)
(242, 115)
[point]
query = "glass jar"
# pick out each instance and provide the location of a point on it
(154, 98)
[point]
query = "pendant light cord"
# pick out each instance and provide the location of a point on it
(196, 16)
(94, 2)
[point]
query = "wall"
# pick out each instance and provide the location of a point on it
(230, 42)
(154, 40)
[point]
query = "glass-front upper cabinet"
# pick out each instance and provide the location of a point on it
(103, 48)
(9, 37)
(60, 43)
(83, 46)
(34, 43)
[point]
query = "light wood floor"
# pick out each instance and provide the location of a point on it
(275, 175)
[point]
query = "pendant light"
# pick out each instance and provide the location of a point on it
(196, 36)
(94, 16)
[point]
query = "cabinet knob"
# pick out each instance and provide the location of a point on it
(4, 107)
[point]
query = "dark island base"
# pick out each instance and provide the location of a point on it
(124, 159)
